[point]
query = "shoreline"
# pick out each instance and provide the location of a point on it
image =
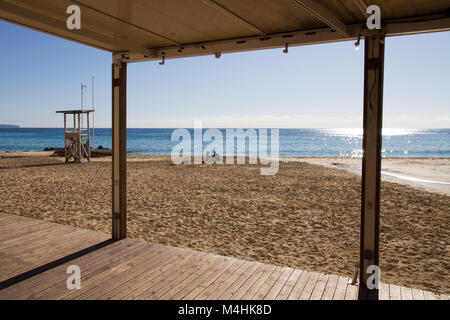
(428, 174)
(131, 154)
(418, 172)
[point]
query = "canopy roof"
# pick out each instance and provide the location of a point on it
(75, 111)
(147, 30)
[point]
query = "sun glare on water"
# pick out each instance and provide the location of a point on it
(357, 132)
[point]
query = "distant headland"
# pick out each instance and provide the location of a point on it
(9, 126)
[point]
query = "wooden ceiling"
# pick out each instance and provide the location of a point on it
(150, 29)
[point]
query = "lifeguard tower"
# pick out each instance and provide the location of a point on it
(77, 139)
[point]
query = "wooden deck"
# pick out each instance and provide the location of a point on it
(32, 266)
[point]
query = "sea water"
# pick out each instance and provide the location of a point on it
(292, 142)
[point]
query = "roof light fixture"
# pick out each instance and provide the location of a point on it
(357, 43)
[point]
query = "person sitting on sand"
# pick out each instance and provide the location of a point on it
(214, 157)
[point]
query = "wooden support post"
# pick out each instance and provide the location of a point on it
(88, 144)
(65, 137)
(79, 151)
(371, 163)
(119, 147)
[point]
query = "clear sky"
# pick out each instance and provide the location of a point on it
(311, 87)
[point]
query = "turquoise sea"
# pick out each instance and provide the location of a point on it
(292, 142)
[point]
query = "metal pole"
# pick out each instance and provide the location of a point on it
(88, 144)
(79, 138)
(82, 96)
(93, 115)
(371, 165)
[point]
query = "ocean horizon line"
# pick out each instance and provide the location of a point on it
(215, 127)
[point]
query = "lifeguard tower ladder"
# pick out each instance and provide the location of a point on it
(77, 144)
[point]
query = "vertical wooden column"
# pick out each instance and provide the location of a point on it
(88, 151)
(79, 139)
(119, 150)
(371, 163)
(65, 137)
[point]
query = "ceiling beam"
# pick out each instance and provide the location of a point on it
(279, 40)
(27, 17)
(362, 6)
(394, 27)
(234, 16)
(323, 14)
(151, 33)
(402, 28)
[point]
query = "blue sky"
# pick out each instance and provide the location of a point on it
(311, 87)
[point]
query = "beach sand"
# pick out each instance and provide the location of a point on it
(307, 216)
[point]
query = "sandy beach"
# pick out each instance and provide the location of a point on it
(429, 174)
(307, 216)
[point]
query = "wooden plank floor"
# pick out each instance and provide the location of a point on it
(132, 269)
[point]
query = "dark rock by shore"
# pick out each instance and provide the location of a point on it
(95, 153)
